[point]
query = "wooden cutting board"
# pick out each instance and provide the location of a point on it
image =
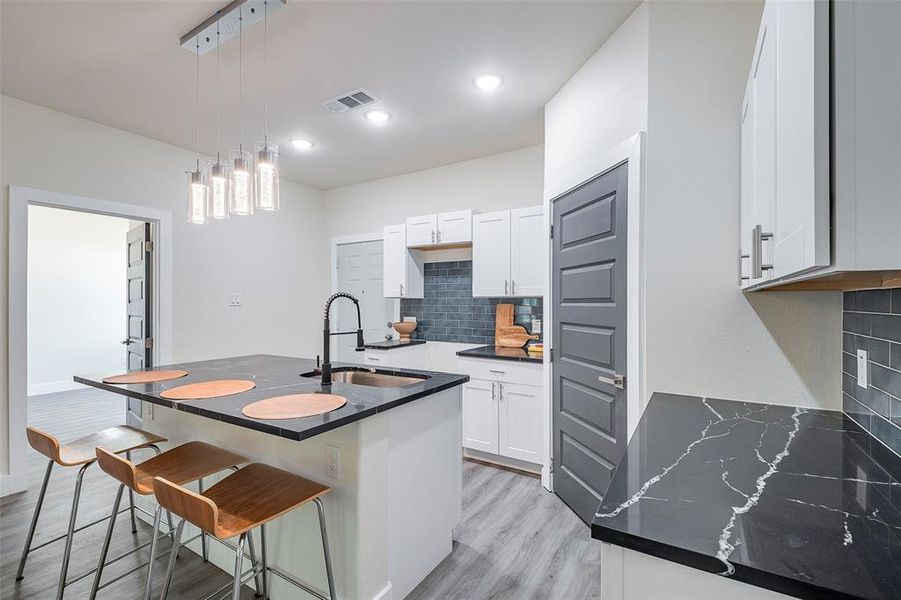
(512, 336)
(293, 406)
(208, 389)
(503, 315)
(145, 376)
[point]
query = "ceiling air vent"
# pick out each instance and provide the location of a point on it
(349, 101)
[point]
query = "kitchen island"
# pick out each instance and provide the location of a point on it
(392, 456)
(724, 499)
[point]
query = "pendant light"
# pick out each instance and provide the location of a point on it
(266, 153)
(197, 190)
(241, 178)
(219, 184)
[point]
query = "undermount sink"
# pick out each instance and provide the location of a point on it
(369, 377)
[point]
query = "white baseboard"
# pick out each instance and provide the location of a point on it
(36, 389)
(385, 594)
(503, 461)
(12, 484)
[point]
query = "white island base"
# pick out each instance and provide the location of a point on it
(631, 575)
(392, 508)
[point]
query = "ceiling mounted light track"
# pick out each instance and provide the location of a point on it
(228, 20)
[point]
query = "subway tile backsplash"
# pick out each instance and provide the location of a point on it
(449, 313)
(871, 321)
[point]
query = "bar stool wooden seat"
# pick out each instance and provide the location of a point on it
(249, 498)
(79, 453)
(183, 464)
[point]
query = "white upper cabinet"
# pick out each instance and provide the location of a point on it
(785, 145)
(454, 227)
(509, 253)
(440, 230)
(421, 231)
(491, 254)
(402, 270)
(528, 251)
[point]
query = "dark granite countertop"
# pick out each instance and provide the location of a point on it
(392, 344)
(800, 501)
(276, 376)
(498, 353)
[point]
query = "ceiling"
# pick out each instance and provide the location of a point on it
(120, 64)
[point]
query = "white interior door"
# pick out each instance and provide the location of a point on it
(360, 274)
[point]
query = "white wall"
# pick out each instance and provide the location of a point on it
(704, 336)
(604, 104)
(496, 182)
(275, 261)
(76, 296)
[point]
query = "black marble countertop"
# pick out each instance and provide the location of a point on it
(498, 353)
(277, 376)
(392, 344)
(800, 501)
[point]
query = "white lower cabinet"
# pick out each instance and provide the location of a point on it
(480, 415)
(503, 418)
(519, 430)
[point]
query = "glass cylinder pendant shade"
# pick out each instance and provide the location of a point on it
(197, 198)
(241, 184)
(218, 193)
(266, 158)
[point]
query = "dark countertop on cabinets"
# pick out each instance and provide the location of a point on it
(799, 501)
(276, 376)
(498, 353)
(392, 344)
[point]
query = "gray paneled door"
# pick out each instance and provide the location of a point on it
(589, 329)
(139, 343)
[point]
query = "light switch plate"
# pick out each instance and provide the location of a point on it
(862, 371)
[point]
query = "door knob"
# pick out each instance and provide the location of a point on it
(617, 381)
(123, 342)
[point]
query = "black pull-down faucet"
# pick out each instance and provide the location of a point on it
(327, 333)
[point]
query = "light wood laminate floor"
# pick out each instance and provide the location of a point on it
(516, 540)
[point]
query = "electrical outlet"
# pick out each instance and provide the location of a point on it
(234, 300)
(862, 369)
(333, 461)
(536, 326)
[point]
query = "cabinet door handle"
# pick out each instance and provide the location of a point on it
(506, 286)
(439, 235)
(401, 290)
(433, 236)
(757, 237)
(617, 381)
(500, 392)
(493, 391)
(513, 287)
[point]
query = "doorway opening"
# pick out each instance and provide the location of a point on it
(89, 291)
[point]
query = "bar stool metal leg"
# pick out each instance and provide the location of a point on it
(71, 533)
(34, 522)
(239, 558)
(154, 535)
(104, 550)
(203, 540)
(265, 563)
(172, 555)
(328, 556)
(258, 575)
(131, 500)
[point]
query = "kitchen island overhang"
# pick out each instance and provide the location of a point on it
(398, 490)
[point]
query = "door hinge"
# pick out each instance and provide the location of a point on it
(552, 232)
(148, 343)
(148, 246)
(550, 466)
(550, 356)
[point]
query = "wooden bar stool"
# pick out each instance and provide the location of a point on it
(189, 462)
(249, 498)
(79, 453)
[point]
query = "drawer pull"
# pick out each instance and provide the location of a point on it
(496, 371)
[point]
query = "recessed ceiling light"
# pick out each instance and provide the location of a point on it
(378, 116)
(302, 144)
(488, 82)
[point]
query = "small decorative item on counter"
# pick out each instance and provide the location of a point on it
(404, 329)
(537, 348)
